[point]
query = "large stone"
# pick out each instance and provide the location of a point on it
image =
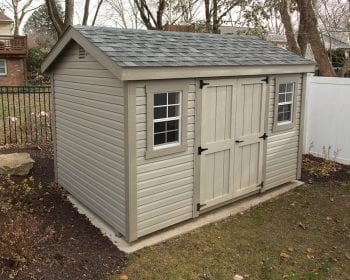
(16, 164)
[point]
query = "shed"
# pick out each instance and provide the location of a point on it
(154, 128)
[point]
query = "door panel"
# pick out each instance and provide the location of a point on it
(250, 124)
(217, 161)
(232, 110)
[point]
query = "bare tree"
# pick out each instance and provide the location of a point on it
(19, 8)
(61, 25)
(156, 14)
(309, 16)
(216, 11)
(124, 13)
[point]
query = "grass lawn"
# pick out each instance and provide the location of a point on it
(304, 234)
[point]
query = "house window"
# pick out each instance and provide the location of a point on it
(166, 119)
(285, 100)
(285, 103)
(3, 68)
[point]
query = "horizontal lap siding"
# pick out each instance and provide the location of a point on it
(164, 184)
(89, 105)
(282, 146)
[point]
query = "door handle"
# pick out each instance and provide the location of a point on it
(239, 141)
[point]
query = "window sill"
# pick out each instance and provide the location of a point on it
(283, 126)
(165, 151)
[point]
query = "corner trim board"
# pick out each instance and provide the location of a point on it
(301, 126)
(130, 160)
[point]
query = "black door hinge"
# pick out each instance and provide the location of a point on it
(239, 141)
(261, 185)
(202, 84)
(265, 80)
(200, 150)
(264, 136)
(199, 206)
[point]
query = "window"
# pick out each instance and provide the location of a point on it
(285, 103)
(3, 70)
(166, 117)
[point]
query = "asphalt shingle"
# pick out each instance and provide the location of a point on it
(145, 48)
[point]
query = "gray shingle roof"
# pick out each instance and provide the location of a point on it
(145, 48)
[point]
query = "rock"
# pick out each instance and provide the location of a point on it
(16, 164)
(238, 277)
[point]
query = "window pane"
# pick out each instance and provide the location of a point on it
(159, 99)
(173, 111)
(288, 107)
(159, 138)
(173, 98)
(287, 116)
(173, 136)
(280, 117)
(290, 87)
(280, 108)
(159, 127)
(282, 88)
(281, 97)
(171, 125)
(289, 97)
(160, 112)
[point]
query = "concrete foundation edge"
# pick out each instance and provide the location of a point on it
(184, 227)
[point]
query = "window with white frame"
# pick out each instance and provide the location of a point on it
(285, 103)
(3, 70)
(166, 119)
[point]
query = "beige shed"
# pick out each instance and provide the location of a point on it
(154, 128)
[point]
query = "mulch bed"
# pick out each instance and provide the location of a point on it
(320, 170)
(42, 236)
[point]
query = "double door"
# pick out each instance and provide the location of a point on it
(232, 139)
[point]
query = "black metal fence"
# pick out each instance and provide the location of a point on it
(25, 114)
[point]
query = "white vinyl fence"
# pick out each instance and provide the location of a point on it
(327, 118)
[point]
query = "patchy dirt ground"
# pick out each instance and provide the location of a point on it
(42, 236)
(304, 234)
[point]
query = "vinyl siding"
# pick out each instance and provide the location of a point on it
(89, 106)
(282, 146)
(165, 183)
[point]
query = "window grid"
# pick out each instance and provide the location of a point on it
(285, 107)
(166, 120)
(3, 67)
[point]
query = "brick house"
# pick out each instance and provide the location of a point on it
(13, 54)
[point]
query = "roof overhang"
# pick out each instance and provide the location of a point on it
(159, 73)
(73, 35)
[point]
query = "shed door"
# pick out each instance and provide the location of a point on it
(233, 118)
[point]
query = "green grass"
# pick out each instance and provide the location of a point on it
(20, 119)
(250, 244)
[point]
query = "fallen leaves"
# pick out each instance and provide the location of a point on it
(302, 225)
(284, 256)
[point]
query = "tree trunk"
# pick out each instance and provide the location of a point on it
(60, 25)
(284, 8)
(302, 34)
(314, 38)
(86, 12)
(69, 13)
(207, 15)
